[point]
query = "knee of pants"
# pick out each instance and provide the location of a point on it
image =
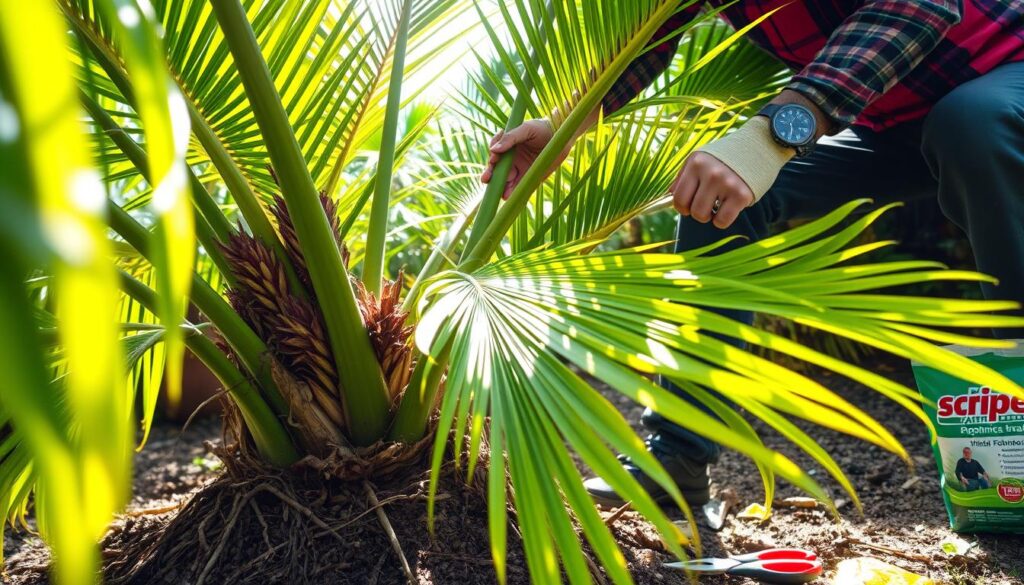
(969, 132)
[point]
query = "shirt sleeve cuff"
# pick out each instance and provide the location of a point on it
(835, 93)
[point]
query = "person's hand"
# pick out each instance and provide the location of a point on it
(706, 189)
(528, 139)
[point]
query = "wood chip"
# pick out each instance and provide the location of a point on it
(911, 482)
(906, 555)
(797, 502)
(616, 514)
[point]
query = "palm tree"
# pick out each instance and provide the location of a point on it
(245, 129)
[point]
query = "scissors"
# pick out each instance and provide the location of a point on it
(782, 566)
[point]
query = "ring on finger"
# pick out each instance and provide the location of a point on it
(717, 206)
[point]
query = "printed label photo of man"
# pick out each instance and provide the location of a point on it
(970, 473)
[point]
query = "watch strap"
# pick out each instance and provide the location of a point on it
(769, 110)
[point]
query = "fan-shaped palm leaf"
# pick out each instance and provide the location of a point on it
(620, 315)
(329, 60)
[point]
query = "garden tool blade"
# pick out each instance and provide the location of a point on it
(704, 566)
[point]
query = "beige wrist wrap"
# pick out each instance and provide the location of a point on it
(752, 154)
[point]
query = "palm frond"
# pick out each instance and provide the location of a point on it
(145, 369)
(329, 60)
(624, 316)
(739, 78)
(59, 201)
(620, 169)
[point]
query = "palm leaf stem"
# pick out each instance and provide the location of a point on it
(442, 253)
(373, 262)
(270, 436)
(241, 192)
(496, 186)
(364, 392)
(242, 339)
(532, 179)
(417, 402)
(213, 226)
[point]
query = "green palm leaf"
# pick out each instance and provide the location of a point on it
(329, 60)
(620, 315)
(586, 49)
(82, 474)
(617, 171)
(740, 76)
(162, 112)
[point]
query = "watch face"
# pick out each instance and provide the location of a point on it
(793, 124)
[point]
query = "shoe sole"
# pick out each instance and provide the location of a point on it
(695, 498)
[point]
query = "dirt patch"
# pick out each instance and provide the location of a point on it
(191, 522)
(904, 519)
(167, 471)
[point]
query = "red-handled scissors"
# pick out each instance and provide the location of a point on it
(782, 566)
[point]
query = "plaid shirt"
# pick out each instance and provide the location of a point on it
(874, 63)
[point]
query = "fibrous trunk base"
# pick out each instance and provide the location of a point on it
(286, 528)
(256, 524)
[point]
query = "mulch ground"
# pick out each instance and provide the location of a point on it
(903, 522)
(904, 519)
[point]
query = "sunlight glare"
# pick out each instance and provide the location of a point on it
(9, 126)
(86, 191)
(166, 194)
(70, 239)
(128, 16)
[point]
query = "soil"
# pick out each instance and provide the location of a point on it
(904, 519)
(903, 522)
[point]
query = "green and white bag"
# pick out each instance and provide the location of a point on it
(980, 442)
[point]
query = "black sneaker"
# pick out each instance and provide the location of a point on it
(691, 476)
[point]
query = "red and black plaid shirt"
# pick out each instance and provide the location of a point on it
(871, 62)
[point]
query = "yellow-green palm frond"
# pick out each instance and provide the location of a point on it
(512, 326)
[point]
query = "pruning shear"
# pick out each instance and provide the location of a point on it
(782, 566)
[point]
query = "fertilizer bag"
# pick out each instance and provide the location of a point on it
(980, 442)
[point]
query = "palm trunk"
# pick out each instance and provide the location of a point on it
(363, 389)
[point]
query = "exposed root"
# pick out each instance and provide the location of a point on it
(382, 516)
(256, 525)
(320, 522)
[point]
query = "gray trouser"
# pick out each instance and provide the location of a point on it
(968, 151)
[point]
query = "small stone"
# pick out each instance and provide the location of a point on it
(878, 475)
(715, 512)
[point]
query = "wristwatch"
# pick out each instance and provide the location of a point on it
(792, 125)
